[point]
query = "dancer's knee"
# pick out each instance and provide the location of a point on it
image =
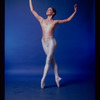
(48, 60)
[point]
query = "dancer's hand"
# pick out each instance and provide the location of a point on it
(69, 18)
(75, 7)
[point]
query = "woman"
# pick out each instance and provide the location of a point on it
(48, 41)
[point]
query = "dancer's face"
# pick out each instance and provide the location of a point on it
(49, 11)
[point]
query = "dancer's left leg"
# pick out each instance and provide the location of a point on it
(55, 67)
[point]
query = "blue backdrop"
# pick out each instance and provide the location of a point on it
(75, 52)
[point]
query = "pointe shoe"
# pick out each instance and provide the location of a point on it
(58, 80)
(42, 84)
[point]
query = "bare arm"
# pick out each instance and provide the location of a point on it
(34, 12)
(68, 19)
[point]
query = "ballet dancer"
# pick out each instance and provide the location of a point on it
(48, 41)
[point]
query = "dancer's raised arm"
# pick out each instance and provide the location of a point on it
(34, 12)
(68, 19)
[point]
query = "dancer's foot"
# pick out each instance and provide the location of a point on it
(57, 79)
(42, 84)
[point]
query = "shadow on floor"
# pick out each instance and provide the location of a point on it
(65, 83)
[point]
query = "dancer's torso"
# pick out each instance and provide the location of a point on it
(47, 29)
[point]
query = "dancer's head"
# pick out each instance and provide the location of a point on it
(51, 12)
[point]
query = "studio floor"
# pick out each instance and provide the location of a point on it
(72, 87)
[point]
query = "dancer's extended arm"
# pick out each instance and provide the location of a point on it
(34, 12)
(68, 19)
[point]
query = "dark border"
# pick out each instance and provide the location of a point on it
(2, 50)
(97, 50)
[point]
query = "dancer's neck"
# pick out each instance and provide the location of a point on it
(49, 18)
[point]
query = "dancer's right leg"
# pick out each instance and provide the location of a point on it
(50, 52)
